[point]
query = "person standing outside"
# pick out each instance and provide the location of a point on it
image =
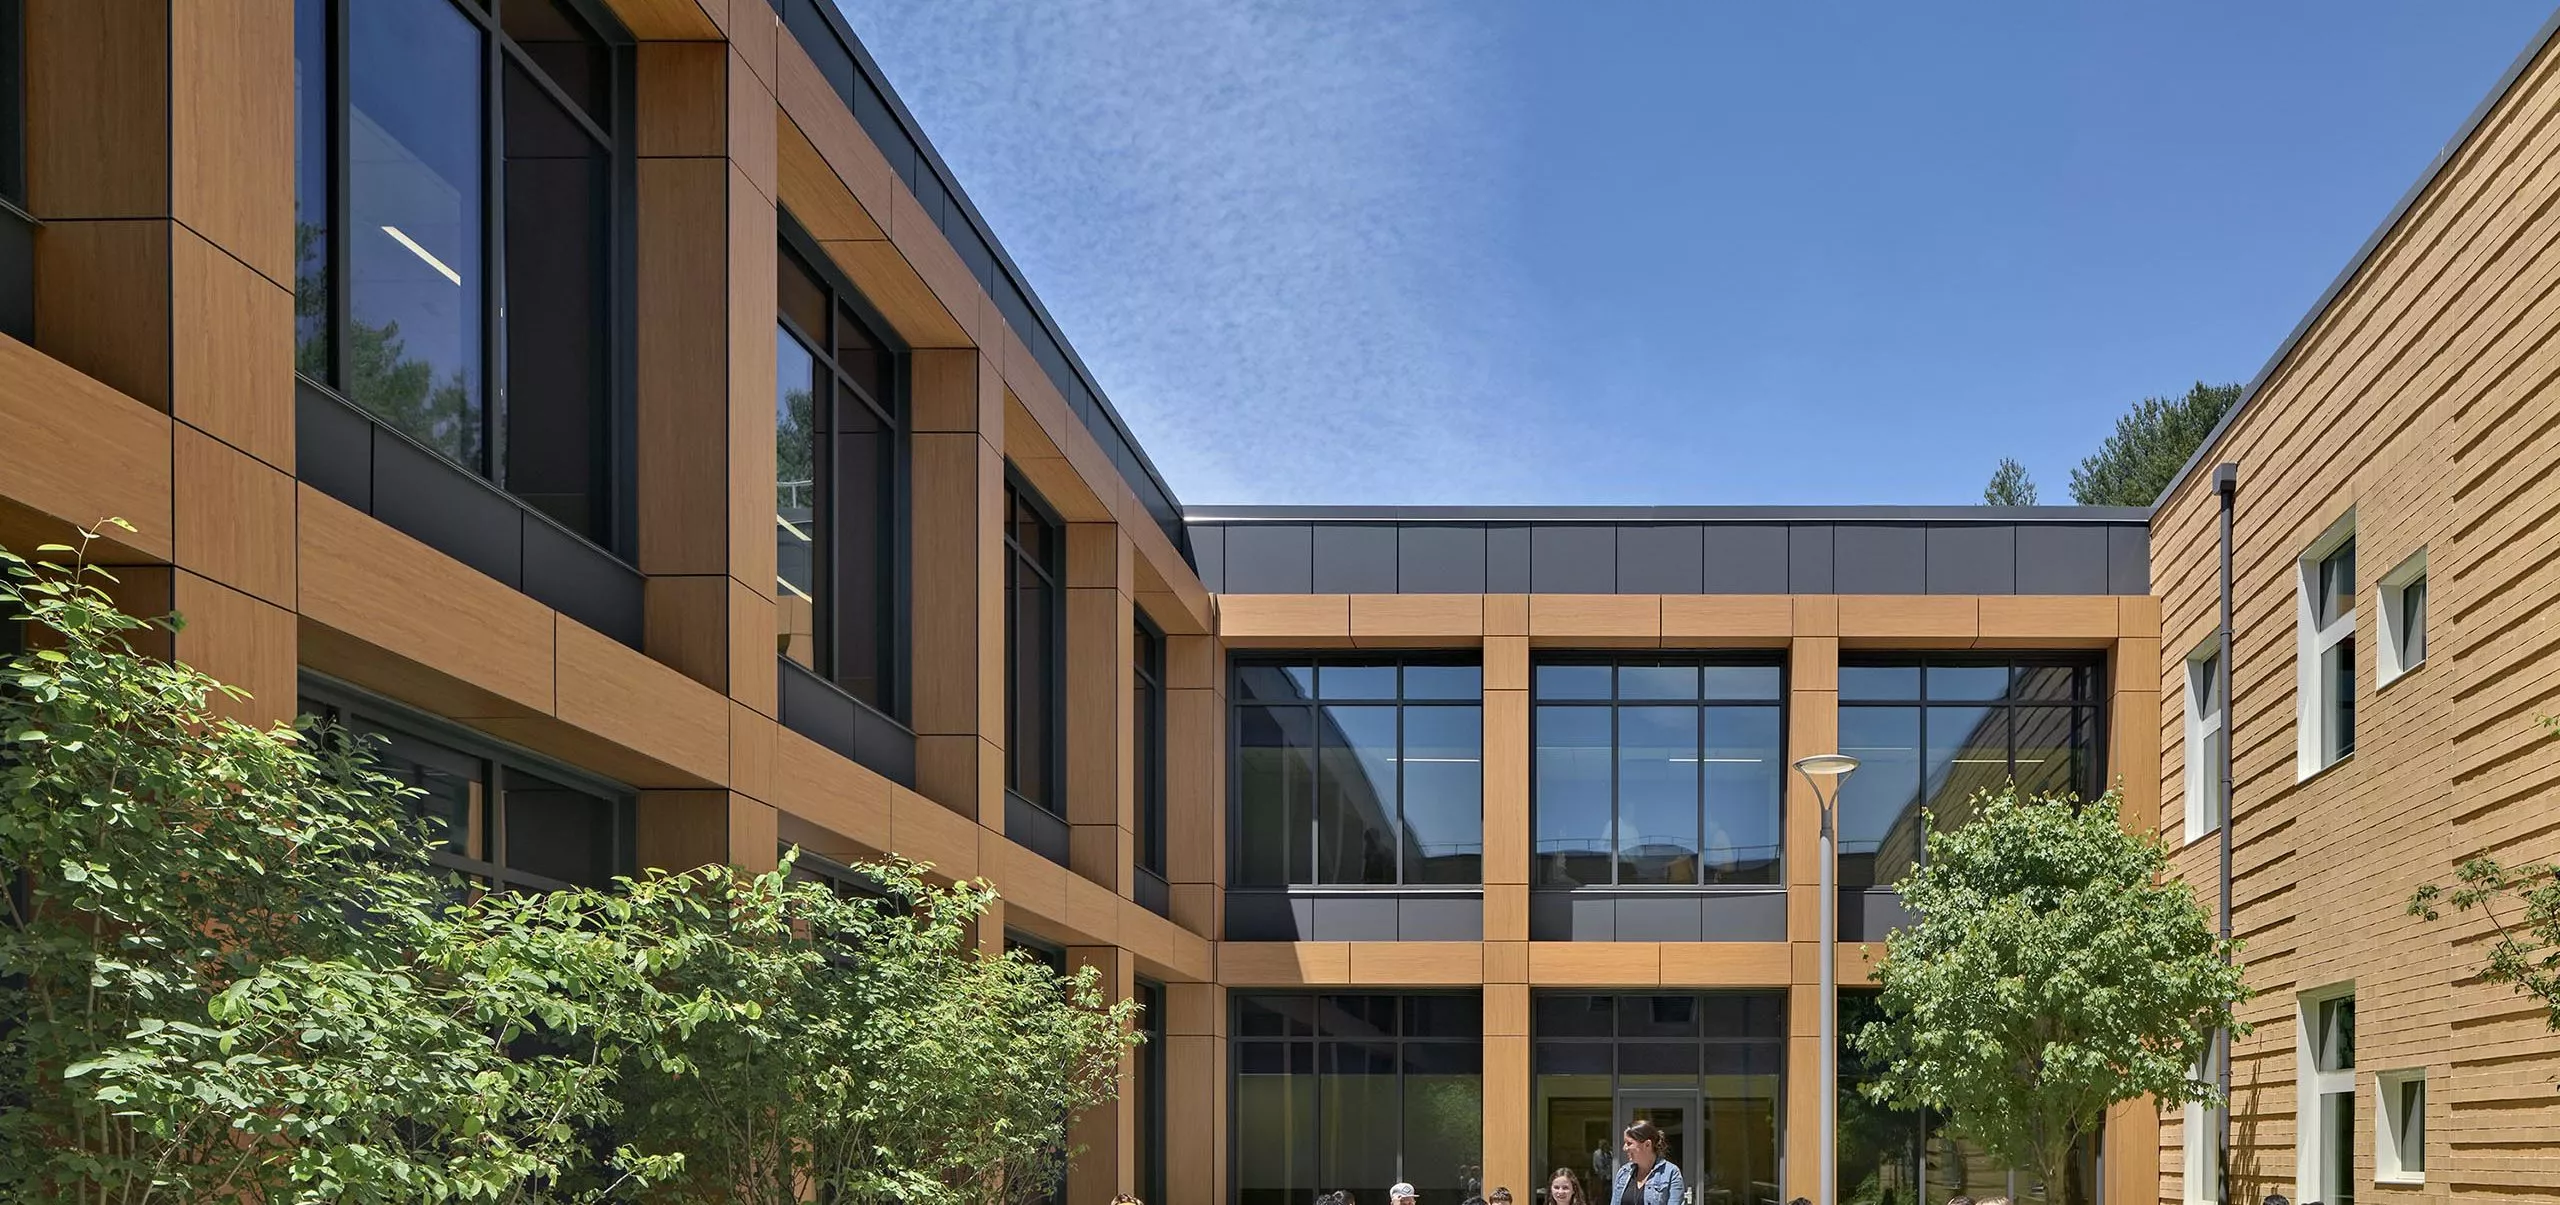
(1646, 1178)
(1565, 1188)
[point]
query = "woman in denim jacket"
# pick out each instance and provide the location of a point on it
(1646, 1178)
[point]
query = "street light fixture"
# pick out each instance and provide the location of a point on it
(1816, 768)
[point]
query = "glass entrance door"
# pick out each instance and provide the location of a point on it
(1676, 1115)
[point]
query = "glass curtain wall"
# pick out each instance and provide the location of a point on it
(1930, 733)
(456, 234)
(1657, 771)
(1888, 1156)
(1722, 1053)
(838, 477)
(1359, 771)
(1357, 1092)
(1034, 648)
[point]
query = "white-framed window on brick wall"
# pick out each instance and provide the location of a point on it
(2325, 665)
(2203, 1140)
(2400, 1126)
(2401, 603)
(2208, 727)
(2325, 1051)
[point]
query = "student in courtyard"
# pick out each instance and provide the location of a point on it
(1646, 1178)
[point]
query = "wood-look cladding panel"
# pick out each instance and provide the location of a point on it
(368, 581)
(242, 641)
(684, 372)
(97, 68)
(102, 303)
(2418, 398)
(231, 82)
(234, 516)
(230, 351)
(81, 452)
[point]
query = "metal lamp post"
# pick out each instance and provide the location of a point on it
(1815, 769)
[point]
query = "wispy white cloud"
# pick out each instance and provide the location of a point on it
(1243, 215)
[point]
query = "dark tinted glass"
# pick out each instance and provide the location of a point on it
(863, 478)
(2413, 623)
(1879, 805)
(1657, 1016)
(1356, 798)
(2056, 683)
(802, 298)
(559, 833)
(2054, 747)
(1275, 795)
(1443, 1017)
(1573, 681)
(2338, 583)
(1275, 683)
(1444, 794)
(863, 359)
(311, 139)
(566, 50)
(1356, 1016)
(414, 194)
(453, 791)
(1147, 743)
(1890, 683)
(1356, 681)
(1573, 1058)
(1968, 753)
(797, 531)
(1575, 839)
(1572, 1016)
(557, 208)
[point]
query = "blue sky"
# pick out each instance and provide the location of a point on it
(1483, 251)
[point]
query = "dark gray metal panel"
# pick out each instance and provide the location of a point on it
(1506, 560)
(1354, 918)
(1809, 558)
(1657, 918)
(1573, 560)
(1593, 917)
(1209, 554)
(2005, 516)
(1355, 558)
(1440, 918)
(1440, 558)
(333, 447)
(2062, 560)
(1747, 560)
(884, 745)
(1261, 916)
(1868, 913)
(1269, 560)
(1972, 559)
(2129, 560)
(1550, 916)
(447, 509)
(582, 581)
(1660, 559)
(1879, 559)
(1743, 916)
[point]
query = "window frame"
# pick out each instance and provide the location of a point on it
(1705, 703)
(2318, 647)
(2391, 660)
(2201, 1161)
(897, 652)
(1052, 570)
(2205, 809)
(615, 450)
(360, 711)
(1147, 719)
(2099, 704)
(2313, 1086)
(1237, 705)
(2392, 1121)
(1314, 1042)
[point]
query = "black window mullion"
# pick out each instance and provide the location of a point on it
(493, 256)
(333, 274)
(1398, 836)
(1616, 838)
(494, 787)
(1699, 731)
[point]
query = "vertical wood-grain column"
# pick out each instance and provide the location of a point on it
(956, 564)
(160, 155)
(1507, 1096)
(1813, 726)
(1107, 1134)
(2133, 1157)
(1195, 781)
(1101, 616)
(704, 421)
(1196, 1093)
(1507, 723)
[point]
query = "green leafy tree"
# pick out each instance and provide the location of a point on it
(2052, 970)
(2522, 904)
(2010, 486)
(868, 1048)
(233, 973)
(2151, 443)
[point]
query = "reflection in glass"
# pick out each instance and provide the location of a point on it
(1746, 789)
(1031, 655)
(414, 354)
(1356, 795)
(863, 483)
(311, 137)
(1352, 1102)
(1657, 795)
(1444, 793)
(1879, 805)
(1968, 755)
(1878, 1148)
(1713, 1063)
(2052, 746)
(1573, 681)
(557, 219)
(1275, 783)
(1575, 840)
(1278, 1167)
(795, 470)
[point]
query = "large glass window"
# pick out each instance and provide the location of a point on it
(500, 820)
(2327, 1050)
(1905, 1157)
(2325, 651)
(1655, 770)
(838, 476)
(455, 235)
(1359, 770)
(1932, 732)
(1705, 1067)
(1034, 647)
(1358, 1092)
(1146, 671)
(1148, 1088)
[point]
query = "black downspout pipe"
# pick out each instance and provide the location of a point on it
(2226, 483)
